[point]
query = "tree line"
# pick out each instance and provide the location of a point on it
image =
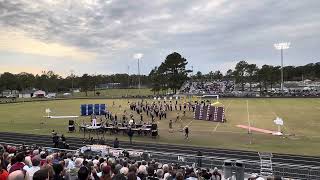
(172, 73)
(52, 82)
(169, 75)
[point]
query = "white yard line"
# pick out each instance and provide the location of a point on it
(228, 105)
(215, 129)
(270, 108)
(249, 124)
(189, 123)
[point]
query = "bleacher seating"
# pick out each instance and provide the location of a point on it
(213, 87)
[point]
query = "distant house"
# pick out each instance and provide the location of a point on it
(109, 85)
(26, 94)
(66, 94)
(76, 90)
(9, 93)
(51, 95)
(39, 93)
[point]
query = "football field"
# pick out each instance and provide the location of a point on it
(301, 123)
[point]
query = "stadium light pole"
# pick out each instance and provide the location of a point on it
(128, 86)
(281, 47)
(139, 85)
(138, 56)
(191, 70)
(72, 77)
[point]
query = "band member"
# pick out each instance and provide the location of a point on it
(178, 117)
(170, 126)
(186, 132)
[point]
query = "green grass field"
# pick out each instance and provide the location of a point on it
(301, 118)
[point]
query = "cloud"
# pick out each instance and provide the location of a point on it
(18, 69)
(217, 32)
(18, 42)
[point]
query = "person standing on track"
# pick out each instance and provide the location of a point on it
(186, 132)
(116, 143)
(170, 126)
(130, 134)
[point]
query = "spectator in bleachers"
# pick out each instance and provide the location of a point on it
(3, 173)
(216, 175)
(58, 171)
(84, 166)
(70, 161)
(142, 172)
(35, 166)
(83, 173)
(16, 175)
(19, 164)
(106, 173)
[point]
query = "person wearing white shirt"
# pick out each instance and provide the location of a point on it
(70, 161)
(30, 170)
(94, 122)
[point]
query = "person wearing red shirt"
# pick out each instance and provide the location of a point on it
(3, 173)
(19, 164)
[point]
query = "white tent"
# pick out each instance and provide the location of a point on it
(39, 93)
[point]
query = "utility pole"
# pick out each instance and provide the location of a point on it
(139, 85)
(72, 77)
(128, 81)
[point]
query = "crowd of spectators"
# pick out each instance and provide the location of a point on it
(293, 92)
(230, 89)
(207, 87)
(39, 164)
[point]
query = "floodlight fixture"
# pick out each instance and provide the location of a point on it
(283, 45)
(138, 56)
